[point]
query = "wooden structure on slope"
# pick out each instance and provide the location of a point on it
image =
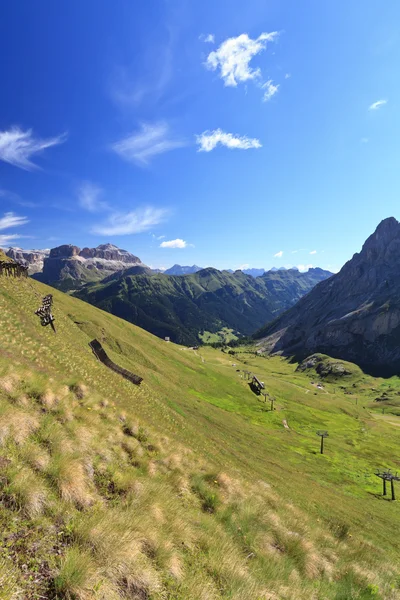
(257, 383)
(13, 269)
(101, 355)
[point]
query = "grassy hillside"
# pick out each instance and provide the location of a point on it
(181, 307)
(187, 487)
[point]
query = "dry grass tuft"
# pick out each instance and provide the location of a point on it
(28, 492)
(71, 479)
(17, 424)
(9, 383)
(80, 390)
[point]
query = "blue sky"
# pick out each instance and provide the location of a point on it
(209, 132)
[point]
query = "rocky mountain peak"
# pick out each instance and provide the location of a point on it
(64, 251)
(354, 315)
(385, 238)
(109, 252)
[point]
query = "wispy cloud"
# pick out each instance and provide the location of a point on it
(5, 240)
(364, 140)
(234, 55)
(377, 105)
(270, 90)
(288, 75)
(208, 39)
(142, 146)
(279, 254)
(135, 221)
(12, 220)
(17, 147)
(313, 252)
(8, 221)
(89, 196)
(178, 243)
(208, 140)
(13, 197)
(129, 88)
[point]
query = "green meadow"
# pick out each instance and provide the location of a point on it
(189, 486)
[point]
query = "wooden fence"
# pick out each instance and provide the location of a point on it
(12, 269)
(100, 353)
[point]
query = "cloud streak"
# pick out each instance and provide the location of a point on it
(89, 196)
(377, 105)
(279, 254)
(209, 140)
(135, 221)
(141, 147)
(270, 90)
(178, 243)
(12, 220)
(17, 147)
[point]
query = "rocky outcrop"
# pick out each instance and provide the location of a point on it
(66, 251)
(354, 315)
(69, 268)
(33, 259)
(110, 252)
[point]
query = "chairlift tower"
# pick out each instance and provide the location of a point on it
(323, 435)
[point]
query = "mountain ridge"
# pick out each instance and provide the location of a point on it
(355, 315)
(181, 307)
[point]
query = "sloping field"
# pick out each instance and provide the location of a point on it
(186, 487)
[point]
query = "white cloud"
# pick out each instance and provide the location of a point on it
(208, 39)
(294, 251)
(313, 252)
(208, 140)
(377, 104)
(135, 221)
(6, 239)
(270, 90)
(279, 254)
(142, 146)
(89, 196)
(178, 243)
(364, 140)
(6, 222)
(12, 220)
(304, 267)
(17, 147)
(242, 267)
(288, 75)
(234, 55)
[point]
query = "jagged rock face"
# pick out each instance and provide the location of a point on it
(68, 267)
(66, 251)
(33, 259)
(354, 315)
(110, 252)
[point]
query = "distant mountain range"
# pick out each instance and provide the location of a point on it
(68, 275)
(182, 307)
(354, 315)
(179, 270)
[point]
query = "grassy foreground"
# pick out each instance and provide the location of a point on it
(187, 487)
